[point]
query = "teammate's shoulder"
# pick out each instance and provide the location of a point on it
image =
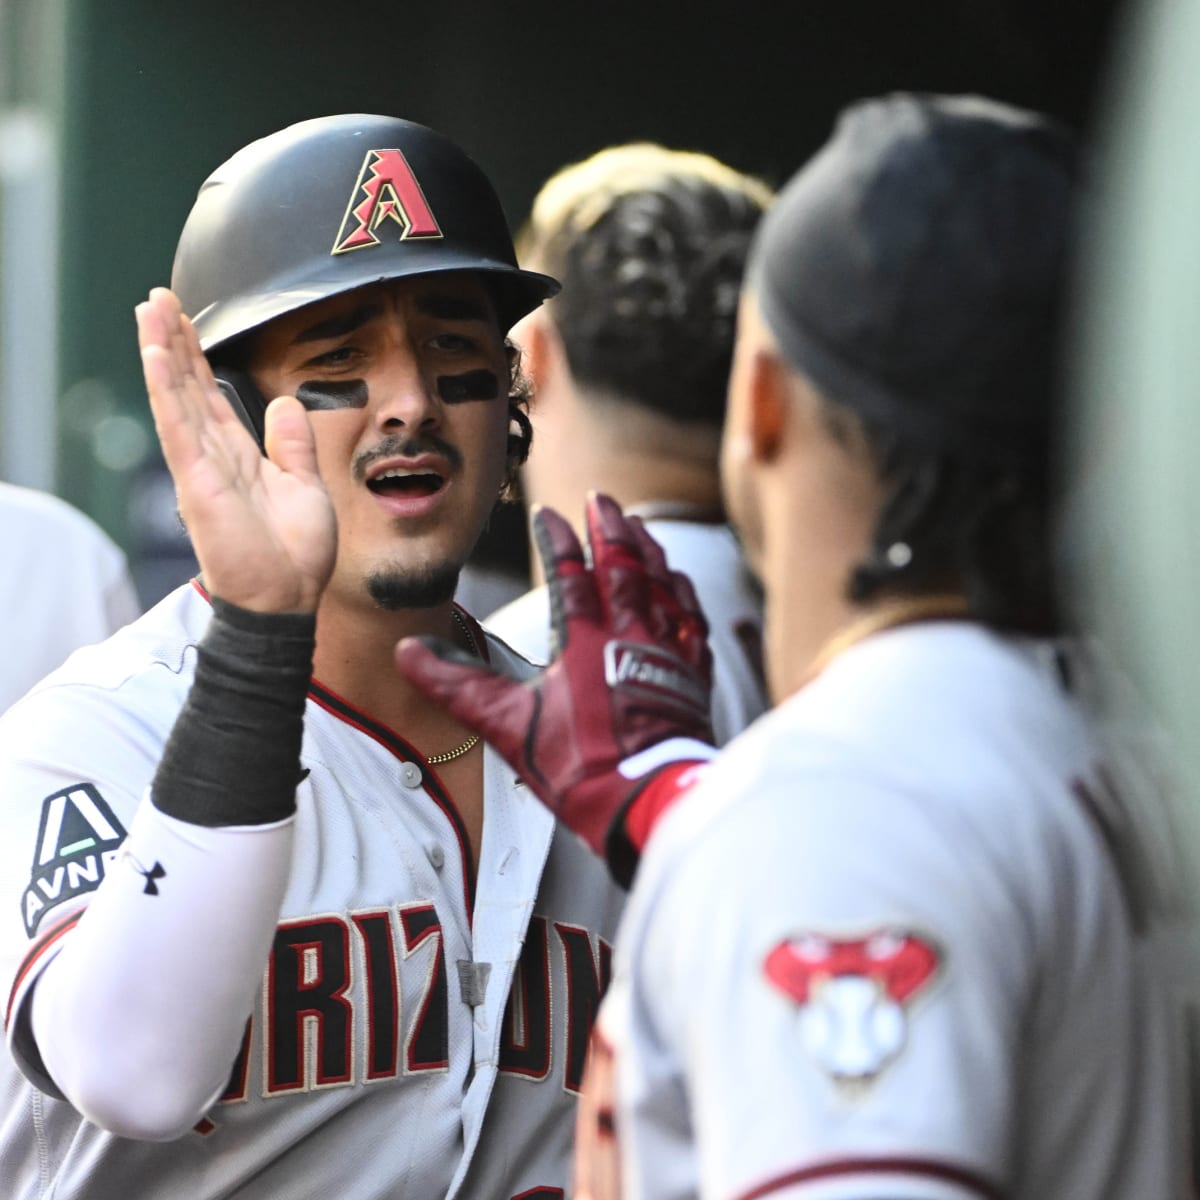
(934, 681)
(709, 553)
(908, 727)
(773, 765)
(30, 513)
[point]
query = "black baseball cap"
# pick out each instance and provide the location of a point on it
(915, 269)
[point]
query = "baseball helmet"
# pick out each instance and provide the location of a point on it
(334, 203)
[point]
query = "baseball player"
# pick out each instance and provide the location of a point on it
(274, 926)
(630, 365)
(895, 941)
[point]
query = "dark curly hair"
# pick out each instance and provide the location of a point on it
(520, 430)
(651, 246)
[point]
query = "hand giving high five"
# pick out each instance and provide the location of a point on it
(263, 528)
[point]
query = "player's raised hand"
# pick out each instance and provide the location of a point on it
(263, 528)
(626, 694)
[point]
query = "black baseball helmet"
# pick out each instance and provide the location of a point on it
(331, 204)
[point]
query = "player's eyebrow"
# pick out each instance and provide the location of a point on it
(339, 325)
(447, 306)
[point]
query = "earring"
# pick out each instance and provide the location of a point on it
(898, 554)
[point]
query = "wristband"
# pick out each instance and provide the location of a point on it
(233, 757)
(647, 803)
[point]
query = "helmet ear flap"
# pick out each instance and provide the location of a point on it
(245, 399)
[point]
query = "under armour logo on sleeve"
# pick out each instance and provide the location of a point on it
(156, 872)
(151, 875)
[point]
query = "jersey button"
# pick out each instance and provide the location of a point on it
(436, 855)
(410, 775)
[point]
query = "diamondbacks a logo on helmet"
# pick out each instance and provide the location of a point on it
(386, 191)
(77, 841)
(853, 995)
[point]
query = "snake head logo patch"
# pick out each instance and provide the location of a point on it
(386, 193)
(853, 995)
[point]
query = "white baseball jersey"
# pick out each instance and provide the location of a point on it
(421, 1027)
(711, 557)
(65, 584)
(890, 947)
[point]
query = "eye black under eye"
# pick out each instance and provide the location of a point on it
(470, 385)
(322, 395)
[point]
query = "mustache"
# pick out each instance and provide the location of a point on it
(405, 447)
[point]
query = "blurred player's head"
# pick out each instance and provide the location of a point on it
(902, 317)
(364, 263)
(651, 245)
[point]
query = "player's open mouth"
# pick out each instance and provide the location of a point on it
(402, 481)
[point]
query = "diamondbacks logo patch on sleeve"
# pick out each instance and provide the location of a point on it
(77, 841)
(853, 995)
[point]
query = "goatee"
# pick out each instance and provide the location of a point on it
(395, 591)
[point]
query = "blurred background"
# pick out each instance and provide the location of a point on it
(113, 111)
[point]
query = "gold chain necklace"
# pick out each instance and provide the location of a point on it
(469, 744)
(887, 616)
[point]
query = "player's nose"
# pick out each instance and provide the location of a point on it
(402, 396)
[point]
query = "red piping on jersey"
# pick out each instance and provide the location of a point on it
(30, 960)
(924, 1168)
(332, 703)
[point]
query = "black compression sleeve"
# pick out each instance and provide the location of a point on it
(233, 757)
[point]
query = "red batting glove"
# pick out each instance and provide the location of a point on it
(625, 699)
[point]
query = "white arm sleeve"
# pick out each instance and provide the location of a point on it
(138, 1018)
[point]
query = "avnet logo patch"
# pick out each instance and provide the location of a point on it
(77, 840)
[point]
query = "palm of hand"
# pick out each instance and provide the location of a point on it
(263, 528)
